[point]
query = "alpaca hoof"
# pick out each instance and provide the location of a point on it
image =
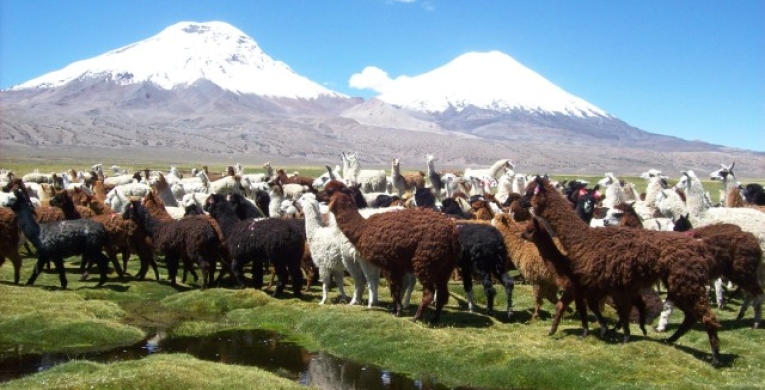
(584, 334)
(626, 340)
(84, 277)
(756, 325)
(660, 330)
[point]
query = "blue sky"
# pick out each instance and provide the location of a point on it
(692, 69)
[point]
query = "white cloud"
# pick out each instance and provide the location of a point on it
(372, 78)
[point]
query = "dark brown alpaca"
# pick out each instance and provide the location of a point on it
(419, 241)
(737, 257)
(621, 261)
(9, 244)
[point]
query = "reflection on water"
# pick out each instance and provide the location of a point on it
(258, 348)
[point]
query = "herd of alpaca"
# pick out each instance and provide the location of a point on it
(571, 243)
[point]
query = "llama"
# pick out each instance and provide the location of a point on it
(727, 179)
(418, 241)
(622, 261)
(260, 241)
(484, 252)
(55, 241)
(371, 180)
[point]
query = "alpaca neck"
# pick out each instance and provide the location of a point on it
(568, 226)
(70, 212)
(395, 171)
(312, 219)
(226, 218)
(694, 198)
(494, 169)
(351, 223)
(99, 191)
(651, 190)
(431, 168)
(550, 254)
(28, 224)
(165, 193)
(274, 205)
(150, 223)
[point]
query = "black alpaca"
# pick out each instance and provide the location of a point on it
(64, 201)
(259, 241)
(484, 254)
(57, 240)
(191, 238)
(244, 208)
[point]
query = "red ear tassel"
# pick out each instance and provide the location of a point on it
(536, 190)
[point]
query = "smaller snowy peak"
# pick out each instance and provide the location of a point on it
(185, 53)
(487, 80)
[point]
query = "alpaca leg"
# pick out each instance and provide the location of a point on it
(409, 280)
(326, 281)
(103, 266)
(281, 278)
(509, 284)
(639, 303)
(16, 261)
(664, 317)
(489, 291)
(125, 257)
(396, 281)
(428, 292)
(359, 281)
(442, 289)
(563, 302)
(719, 295)
(372, 276)
(593, 302)
(338, 276)
(537, 301)
(467, 284)
(744, 306)
(59, 263)
(258, 269)
(115, 262)
(757, 311)
(172, 263)
(623, 309)
(42, 261)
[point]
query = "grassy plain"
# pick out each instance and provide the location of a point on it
(465, 349)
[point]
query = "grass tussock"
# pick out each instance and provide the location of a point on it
(44, 321)
(161, 371)
(465, 349)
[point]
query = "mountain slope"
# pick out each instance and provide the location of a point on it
(491, 81)
(184, 53)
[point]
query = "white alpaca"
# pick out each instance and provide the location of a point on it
(727, 179)
(37, 177)
(326, 247)
(119, 197)
(519, 183)
(371, 180)
(436, 181)
(490, 174)
(700, 214)
(505, 187)
(115, 181)
(397, 179)
(451, 184)
(614, 191)
(225, 185)
(330, 174)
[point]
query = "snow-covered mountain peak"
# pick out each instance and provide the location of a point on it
(186, 52)
(489, 80)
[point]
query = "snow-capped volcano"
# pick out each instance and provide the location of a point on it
(187, 52)
(492, 81)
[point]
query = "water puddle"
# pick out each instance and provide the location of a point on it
(260, 348)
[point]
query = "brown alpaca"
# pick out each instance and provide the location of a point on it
(526, 258)
(621, 261)
(302, 180)
(9, 244)
(417, 240)
(124, 235)
(737, 257)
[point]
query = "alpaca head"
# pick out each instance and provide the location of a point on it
(341, 201)
(723, 174)
(682, 223)
(536, 195)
